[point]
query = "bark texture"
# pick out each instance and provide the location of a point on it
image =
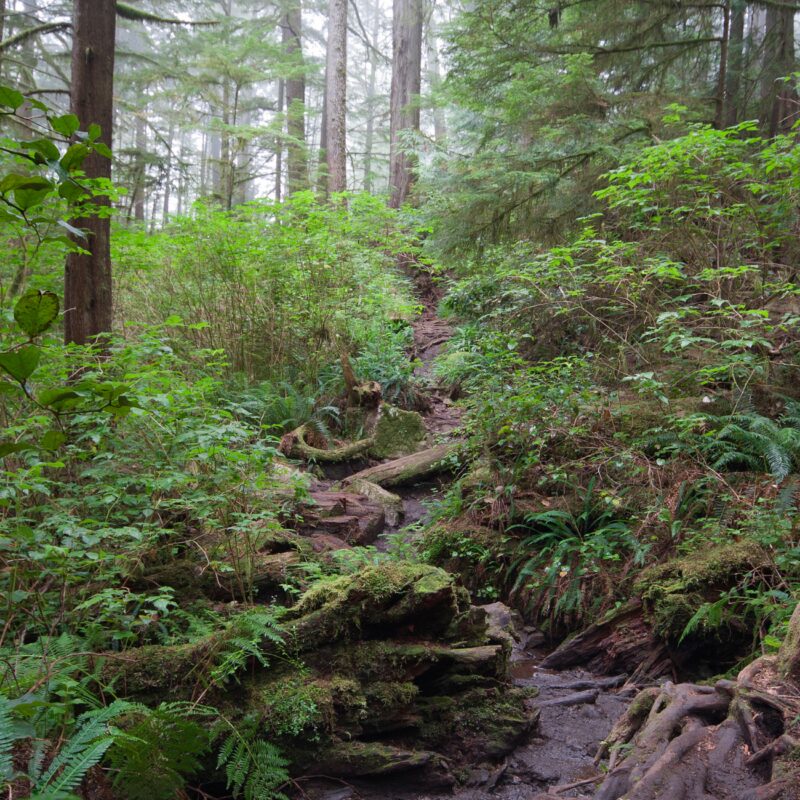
(336, 97)
(87, 290)
(297, 161)
(404, 105)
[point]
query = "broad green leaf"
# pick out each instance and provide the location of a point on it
(66, 125)
(45, 147)
(59, 399)
(71, 191)
(14, 181)
(52, 440)
(36, 311)
(21, 364)
(29, 198)
(10, 98)
(9, 448)
(75, 156)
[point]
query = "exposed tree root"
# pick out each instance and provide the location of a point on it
(294, 445)
(689, 742)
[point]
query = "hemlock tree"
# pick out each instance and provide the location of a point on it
(336, 97)
(406, 82)
(87, 284)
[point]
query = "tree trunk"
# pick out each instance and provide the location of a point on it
(404, 104)
(369, 139)
(336, 97)
(140, 172)
(722, 75)
(168, 173)
(279, 145)
(779, 97)
(733, 78)
(297, 159)
(434, 82)
(87, 287)
(2, 33)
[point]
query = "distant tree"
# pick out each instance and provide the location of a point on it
(87, 287)
(297, 166)
(336, 97)
(404, 105)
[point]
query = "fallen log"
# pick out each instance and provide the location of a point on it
(407, 469)
(577, 699)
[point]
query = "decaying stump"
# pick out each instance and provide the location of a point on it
(736, 740)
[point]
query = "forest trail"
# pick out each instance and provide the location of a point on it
(576, 709)
(576, 715)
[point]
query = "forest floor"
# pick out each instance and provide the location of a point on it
(576, 709)
(705, 751)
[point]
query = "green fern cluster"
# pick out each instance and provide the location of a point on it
(244, 641)
(750, 441)
(59, 779)
(254, 768)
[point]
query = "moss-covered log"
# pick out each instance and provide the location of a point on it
(407, 469)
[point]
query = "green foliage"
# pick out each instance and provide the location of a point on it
(281, 288)
(244, 641)
(254, 769)
(158, 753)
(563, 552)
(70, 760)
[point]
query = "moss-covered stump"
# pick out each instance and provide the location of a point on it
(398, 433)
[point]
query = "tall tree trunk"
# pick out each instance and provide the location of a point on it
(369, 139)
(733, 78)
(322, 161)
(87, 286)
(435, 81)
(336, 96)
(779, 97)
(2, 32)
(140, 173)
(297, 158)
(168, 172)
(404, 104)
(722, 75)
(279, 144)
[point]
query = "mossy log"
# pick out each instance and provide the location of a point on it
(407, 469)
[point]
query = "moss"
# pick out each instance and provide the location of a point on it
(292, 706)
(383, 600)
(673, 592)
(371, 759)
(392, 694)
(478, 723)
(155, 673)
(789, 655)
(398, 433)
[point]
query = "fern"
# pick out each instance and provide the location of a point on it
(244, 639)
(8, 735)
(158, 753)
(752, 441)
(82, 751)
(254, 768)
